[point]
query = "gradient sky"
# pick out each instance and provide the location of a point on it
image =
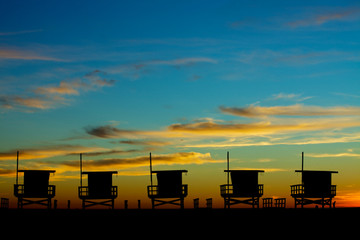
(187, 81)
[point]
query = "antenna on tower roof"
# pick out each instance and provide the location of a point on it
(302, 166)
(228, 166)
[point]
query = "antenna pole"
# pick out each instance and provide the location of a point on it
(151, 181)
(80, 169)
(17, 167)
(228, 168)
(302, 166)
(302, 161)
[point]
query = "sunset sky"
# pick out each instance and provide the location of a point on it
(187, 81)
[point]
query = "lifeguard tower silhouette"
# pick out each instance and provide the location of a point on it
(244, 188)
(35, 188)
(169, 190)
(99, 191)
(316, 188)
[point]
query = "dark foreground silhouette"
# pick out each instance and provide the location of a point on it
(181, 222)
(315, 187)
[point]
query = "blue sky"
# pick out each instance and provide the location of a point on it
(117, 79)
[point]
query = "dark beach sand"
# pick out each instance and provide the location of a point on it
(171, 223)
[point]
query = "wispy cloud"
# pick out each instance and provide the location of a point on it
(20, 32)
(6, 172)
(264, 126)
(11, 102)
(29, 155)
(275, 126)
(109, 131)
(90, 81)
(48, 152)
(292, 110)
(285, 96)
(182, 61)
(135, 70)
(295, 57)
(25, 55)
(332, 155)
(53, 96)
(181, 158)
(64, 88)
(347, 95)
(265, 169)
(144, 142)
(291, 131)
(214, 129)
(274, 139)
(325, 17)
(289, 96)
(108, 152)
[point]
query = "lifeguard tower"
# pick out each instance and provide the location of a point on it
(35, 188)
(99, 191)
(244, 188)
(169, 188)
(316, 188)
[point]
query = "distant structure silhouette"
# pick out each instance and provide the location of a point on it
(35, 189)
(209, 203)
(99, 191)
(316, 188)
(274, 203)
(244, 188)
(169, 188)
(267, 202)
(280, 202)
(196, 203)
(4, 203)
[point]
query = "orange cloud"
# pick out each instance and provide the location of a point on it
(34, 158)
(207, 132)
(47, 152)
(292, 110)
(132, 166)
(264, 127)
(32, 102)
(181, 158)
(283, 140)
(6, 172)
(91, 81)
(265, 169)
(64, 88)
